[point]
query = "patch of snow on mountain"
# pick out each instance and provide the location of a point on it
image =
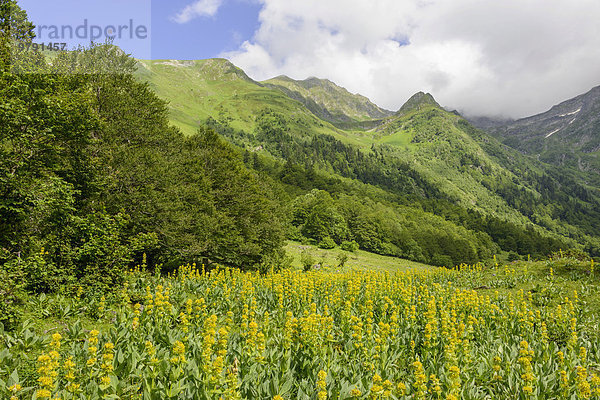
(550, 134)
(571, 113)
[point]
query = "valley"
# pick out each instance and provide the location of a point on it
(175, 229)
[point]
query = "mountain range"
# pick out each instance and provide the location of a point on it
(533, 173)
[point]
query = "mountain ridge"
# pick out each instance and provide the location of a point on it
(568, 134)
(328, 100)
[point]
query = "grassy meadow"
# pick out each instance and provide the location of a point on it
(376, 328)
(359, 259)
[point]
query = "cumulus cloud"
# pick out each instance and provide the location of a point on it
(483, 57)
(200, 8)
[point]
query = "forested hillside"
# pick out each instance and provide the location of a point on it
(422, 161)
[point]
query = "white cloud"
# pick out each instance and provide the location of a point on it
(199, 8)
(511, 57)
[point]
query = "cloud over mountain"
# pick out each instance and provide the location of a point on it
(513, 58)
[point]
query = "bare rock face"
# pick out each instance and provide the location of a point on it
(568, 134)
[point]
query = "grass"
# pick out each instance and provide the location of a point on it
(337, 100)
(399, 139)
(358, 260)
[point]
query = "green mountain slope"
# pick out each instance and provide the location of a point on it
(422, 155)
(215, 88)
(432, 140)
(479, 173)
(329, 101)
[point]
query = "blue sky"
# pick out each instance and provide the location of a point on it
(203, 36)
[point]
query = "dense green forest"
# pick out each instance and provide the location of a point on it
(404, 202)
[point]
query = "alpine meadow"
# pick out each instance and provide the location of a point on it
(175, 229)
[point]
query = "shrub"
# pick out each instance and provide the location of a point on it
(342, 259)
(307, 259)
(294, 233)
(105, 251)
(327, 243)
(349, 245)
(10, 299)
(41, 274)
(442, 260)
(275, 262)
